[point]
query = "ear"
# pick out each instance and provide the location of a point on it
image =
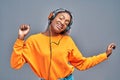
(50, 16)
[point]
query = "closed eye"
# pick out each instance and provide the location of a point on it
(67, 22)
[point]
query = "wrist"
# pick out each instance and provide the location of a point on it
(108, 54)
(20, 37)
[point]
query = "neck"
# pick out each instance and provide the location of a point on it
(48, 32)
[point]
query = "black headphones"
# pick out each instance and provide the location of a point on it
(54, 13)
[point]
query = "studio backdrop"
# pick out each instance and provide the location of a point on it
(96, 23)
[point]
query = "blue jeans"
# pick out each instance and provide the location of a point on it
(70, 77)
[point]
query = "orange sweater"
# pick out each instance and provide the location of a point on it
(65, 56)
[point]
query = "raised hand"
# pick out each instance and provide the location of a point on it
(110, 48)
(23, 31)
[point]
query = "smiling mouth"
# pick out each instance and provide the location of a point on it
(59, 27)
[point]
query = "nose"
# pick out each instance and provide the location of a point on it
(62, 22)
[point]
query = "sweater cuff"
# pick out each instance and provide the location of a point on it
(105, 55)
(19, 42)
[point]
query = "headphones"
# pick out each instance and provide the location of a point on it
(54, 13)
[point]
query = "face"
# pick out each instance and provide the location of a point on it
(60, 22)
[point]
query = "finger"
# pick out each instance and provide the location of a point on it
(112, 45)
(24, 27)
(28, 26)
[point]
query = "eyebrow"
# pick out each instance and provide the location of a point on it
(64, 18)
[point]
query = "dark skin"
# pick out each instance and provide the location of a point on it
(57, 25)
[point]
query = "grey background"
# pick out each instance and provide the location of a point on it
(96, 24)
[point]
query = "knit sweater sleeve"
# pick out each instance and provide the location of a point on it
(82, 63)
(20, 49)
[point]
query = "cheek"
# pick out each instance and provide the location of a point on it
(65, 26)
(53, 24)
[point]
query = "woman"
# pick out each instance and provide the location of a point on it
(52, 54)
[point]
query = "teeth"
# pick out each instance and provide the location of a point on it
(59, 27)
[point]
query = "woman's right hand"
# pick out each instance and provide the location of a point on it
(23, 31)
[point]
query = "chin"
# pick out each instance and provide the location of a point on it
(58, 31)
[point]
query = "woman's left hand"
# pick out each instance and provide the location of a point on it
(110, 47)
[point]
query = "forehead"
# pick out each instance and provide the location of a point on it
(64, 14)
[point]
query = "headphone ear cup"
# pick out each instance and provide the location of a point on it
(67, 29)
(50, 17)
